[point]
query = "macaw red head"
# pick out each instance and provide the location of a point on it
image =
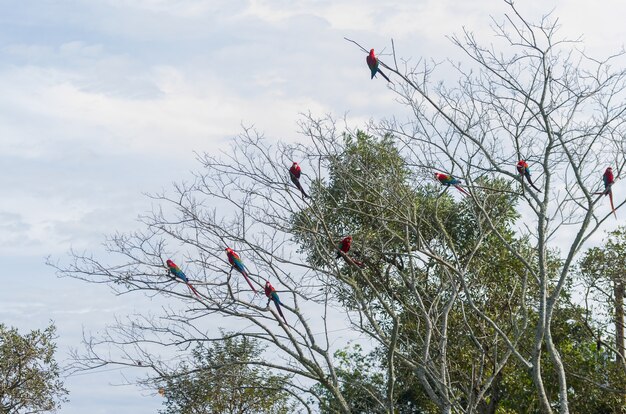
(295, 164)
(229, 250)
(440, 176)
(170, 263)
(268, 285)
(609, 169)
(372, 53)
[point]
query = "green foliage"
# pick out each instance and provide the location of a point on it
(602, 272)
(367, 184)
(609, 261)
(361, 382)
(29, 374)
(225, 378)
(594, 380)
(372, 195)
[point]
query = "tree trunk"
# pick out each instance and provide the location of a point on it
(618, 289)
(494, 397)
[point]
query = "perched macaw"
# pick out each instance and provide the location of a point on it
(235, 261)
(372, 62)
(294, 173)
(608, 180)
(271, 294)
(175, 270)
(344, 246)
(524, 171)
(449, 180)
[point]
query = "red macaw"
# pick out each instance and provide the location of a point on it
(294, 172)
(271, 294)
(608, 180)
(344, 246)
(235, 261)
(372, 62)
(449, 180)
(524, 171)
(175, 270)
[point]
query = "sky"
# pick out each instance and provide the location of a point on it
(102, 101)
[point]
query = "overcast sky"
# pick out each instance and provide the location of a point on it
(103, 100)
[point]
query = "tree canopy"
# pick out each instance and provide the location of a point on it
(223, 378)
(29, 375)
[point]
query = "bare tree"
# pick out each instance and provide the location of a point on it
(251, 191)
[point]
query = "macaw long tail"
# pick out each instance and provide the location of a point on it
(612, 206)
(193, 289)
(245, 274)
(304, 195)
(359, 264)
(383, 75)
(296, 181)
(351, 260)
(280, 312)
(461, 190)
(531, 183)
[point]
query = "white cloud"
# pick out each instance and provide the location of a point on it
(190, 9)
